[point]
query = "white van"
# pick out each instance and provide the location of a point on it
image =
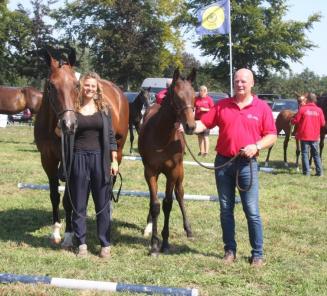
(157, 84)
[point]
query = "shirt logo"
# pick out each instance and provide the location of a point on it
(311, 113)
(251, 116)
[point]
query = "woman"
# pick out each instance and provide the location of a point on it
(203, 103)
(95, 158)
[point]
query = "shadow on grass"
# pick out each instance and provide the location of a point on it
(23, 226)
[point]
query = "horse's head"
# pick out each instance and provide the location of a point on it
(62, 88)
(182, 96)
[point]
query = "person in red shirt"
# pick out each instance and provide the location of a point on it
(162, 94)
(245, 124)
(202, 104)
(309, 120)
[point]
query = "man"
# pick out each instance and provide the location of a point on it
(245, 124)
(309, 120)
(162, 94)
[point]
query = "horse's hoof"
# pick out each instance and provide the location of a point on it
(55, 240)
(154, 254)
(189, 234)
(286, 164)
(266, 164)
(55, 236)
(165, 249)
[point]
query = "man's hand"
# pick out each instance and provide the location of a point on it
(249, 151)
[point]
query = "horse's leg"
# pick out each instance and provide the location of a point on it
(268, 156)
(286, 140)
(298, 151)
(131, 138)
(322, 142)
(69, 234)
(151, 178)
(179, 193)
(166, 207)
(50, 165)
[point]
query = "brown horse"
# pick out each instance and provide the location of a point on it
(60, 91)
(16, 99)
(135, 113)
(283, 122)
(162, 148)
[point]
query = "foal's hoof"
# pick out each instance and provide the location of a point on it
(189, 234)
(165, 249)
(154, 254)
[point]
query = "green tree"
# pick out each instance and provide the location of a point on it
(262, 40)
(128, 40)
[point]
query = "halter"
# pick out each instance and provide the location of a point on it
(171, 94)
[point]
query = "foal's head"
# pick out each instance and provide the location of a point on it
(145, 97)
(181, 95)
(62, 89)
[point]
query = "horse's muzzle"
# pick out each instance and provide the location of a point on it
(69, 123)
(189, 130)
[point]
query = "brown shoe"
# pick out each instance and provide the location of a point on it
(82, 251)
(229, 257)
(105, 252)
(256, 262)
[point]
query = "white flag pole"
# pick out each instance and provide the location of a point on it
(230, 51)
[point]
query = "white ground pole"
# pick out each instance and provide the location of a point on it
(124, 192)
(96, 285)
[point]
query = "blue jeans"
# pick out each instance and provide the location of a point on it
(314, 150)
(226, 184)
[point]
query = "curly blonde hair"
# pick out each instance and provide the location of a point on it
(99, 99)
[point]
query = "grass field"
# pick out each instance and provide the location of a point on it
(293, 210)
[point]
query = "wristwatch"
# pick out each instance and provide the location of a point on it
(258, 146)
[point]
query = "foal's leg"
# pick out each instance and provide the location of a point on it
(298, 151)
(166, 207)
(151, 178)
(286, 140)
(179, 193)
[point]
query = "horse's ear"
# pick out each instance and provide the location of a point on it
(191, 77)
(176, 74)
(45, 53)
(72, 57)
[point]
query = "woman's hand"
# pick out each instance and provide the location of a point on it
(114, 168)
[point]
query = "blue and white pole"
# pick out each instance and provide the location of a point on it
(96, 285)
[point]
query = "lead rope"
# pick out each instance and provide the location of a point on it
(236, 157)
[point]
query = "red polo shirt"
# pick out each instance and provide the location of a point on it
(200, 102)
(239, 127)
(309, 119)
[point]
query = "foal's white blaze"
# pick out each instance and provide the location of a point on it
(55, 236)
(68, 240)
(148, 230)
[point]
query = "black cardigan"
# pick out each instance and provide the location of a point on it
(108, 143)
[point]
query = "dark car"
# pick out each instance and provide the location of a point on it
(216, 96)
(284, 104)
(24, 116)
(269, 97)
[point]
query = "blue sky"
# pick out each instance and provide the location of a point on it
(298, 10)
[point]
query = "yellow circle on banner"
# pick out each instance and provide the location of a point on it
(213, 17)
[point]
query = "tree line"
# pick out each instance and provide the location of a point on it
(128, 40)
